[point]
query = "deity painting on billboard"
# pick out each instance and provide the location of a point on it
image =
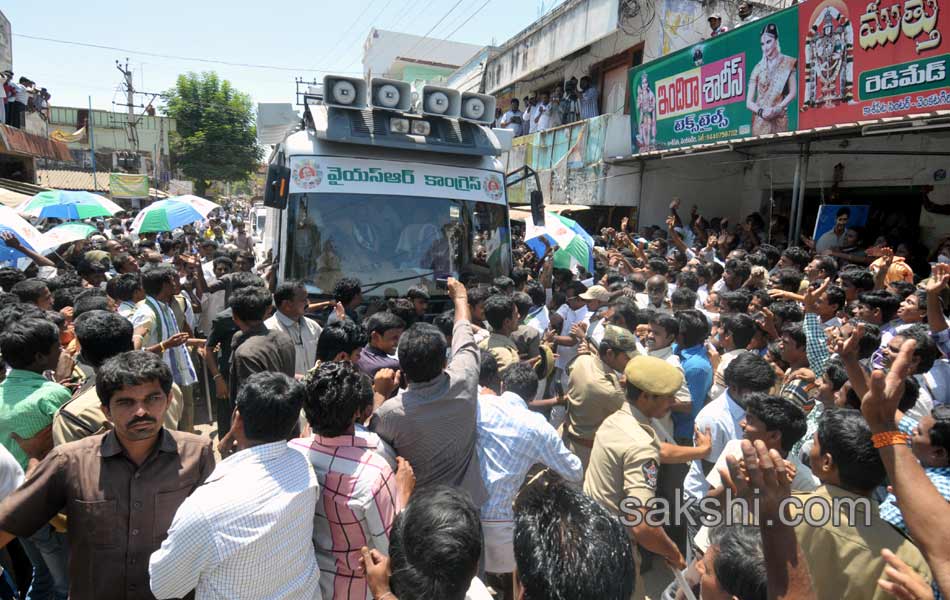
(773, 85)
(829, 60)
(646, 111)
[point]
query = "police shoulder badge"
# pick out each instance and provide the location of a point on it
(650, 471)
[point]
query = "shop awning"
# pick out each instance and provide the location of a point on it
(895, 125)
(16, 141)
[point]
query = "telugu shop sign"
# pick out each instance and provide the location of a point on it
(815, 64)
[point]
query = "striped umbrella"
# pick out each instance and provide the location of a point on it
(575, 246)
(170, 214)
(68, 232)
(68, 206)
(28, 235)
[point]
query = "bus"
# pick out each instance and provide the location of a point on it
(395, 187)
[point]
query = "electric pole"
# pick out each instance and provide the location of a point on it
(129, 86)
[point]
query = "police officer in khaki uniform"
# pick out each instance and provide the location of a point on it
(625, 460)
(594, 391)
(502, 314)
(844, 550)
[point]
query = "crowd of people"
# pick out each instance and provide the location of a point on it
(516, 443)
(21, 97)
(546, 109)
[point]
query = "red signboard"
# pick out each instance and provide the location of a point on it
(862, 61)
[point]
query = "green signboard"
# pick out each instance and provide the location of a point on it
(741, 83)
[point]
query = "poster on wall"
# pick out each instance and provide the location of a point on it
(739, 84)
(833, 223)
(864, 61)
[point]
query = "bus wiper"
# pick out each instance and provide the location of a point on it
(372, 286)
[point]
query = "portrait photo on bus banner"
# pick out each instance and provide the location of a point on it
(828, 215)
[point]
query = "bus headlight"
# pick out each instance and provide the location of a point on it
(420, 127)
(399, 125)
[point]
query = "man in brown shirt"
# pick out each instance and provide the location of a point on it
(119, 490)
(256, 348)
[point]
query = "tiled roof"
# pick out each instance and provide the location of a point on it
(64, 179)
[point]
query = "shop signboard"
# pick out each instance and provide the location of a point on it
(739, 84)
(865, 61)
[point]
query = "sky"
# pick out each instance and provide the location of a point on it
(303, 39)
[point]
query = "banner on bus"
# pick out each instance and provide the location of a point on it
(864, 61)
(738, 84)
(336, 175)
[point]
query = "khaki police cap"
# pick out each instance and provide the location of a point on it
(653, 375)
(620, 339)
(596, 292)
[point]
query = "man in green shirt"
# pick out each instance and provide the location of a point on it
(28, 402)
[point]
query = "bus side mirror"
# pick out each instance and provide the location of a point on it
(537, 208)
(277, 186)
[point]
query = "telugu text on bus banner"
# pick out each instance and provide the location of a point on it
(335, 175)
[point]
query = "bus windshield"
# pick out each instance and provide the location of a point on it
(391, 243)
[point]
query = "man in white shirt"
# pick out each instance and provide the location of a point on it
(574, 311)
(542, 113)
(513, 119)
(735, 334)
(291, 301)
(511, 440)
(246, 533)
(748, 373)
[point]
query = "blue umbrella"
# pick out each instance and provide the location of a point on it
(68, 206)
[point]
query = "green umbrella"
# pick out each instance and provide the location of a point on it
(68, 206)
(68, 232)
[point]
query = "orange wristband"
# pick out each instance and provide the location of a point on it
(890, 438)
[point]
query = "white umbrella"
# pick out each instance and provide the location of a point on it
(27, 234)
(200, 204)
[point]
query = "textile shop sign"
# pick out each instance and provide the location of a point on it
(739, 84)
(815, 64)
(335, 175)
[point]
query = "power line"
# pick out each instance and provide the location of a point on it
(372, 25)
(174, 56)
(462, 24)
(431, 29)
(431, 44)
(340, 40)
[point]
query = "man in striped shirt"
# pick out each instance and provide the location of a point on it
(361, 490)
(588, 99)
